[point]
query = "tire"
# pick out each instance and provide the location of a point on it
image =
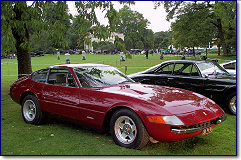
(31, 110)
(127, 129)
(231, 103)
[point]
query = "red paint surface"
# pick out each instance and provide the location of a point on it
(145, 100)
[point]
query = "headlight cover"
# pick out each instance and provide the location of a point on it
(170, 120)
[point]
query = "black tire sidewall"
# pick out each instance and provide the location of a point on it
(139, 125)
(38, 116)
(228, 102)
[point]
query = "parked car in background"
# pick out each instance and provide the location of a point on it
(78, 52)
(39, 53)
(33, 54)
(11, 55)
(135, 51)
(197, 52)
(204, 77)
(64, 51)
(230, 67)
(102, 97)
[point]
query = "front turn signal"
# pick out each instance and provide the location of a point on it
(156, 119)
(171, 120)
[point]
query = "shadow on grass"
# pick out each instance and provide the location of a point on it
(185, 147)
(69, 123)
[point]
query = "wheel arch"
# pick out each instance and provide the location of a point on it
(25, 94)
(109, 114)
(228, 96)
(230, 91)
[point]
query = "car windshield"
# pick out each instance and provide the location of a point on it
(209, 68)
(99, 76)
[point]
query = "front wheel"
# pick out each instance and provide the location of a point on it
(231, 103)
(127, 129)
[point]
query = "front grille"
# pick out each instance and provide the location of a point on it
(197, 127)
(204, 124)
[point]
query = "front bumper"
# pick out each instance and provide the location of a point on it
(198, 127)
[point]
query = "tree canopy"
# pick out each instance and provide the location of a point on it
(24, 21)
(134, 26)
(193, 27)
(40, 25)
(20, 20)
(195, 17)
(162, 39)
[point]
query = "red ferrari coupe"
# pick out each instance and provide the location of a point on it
(102, 97)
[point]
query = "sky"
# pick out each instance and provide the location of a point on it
(156, 17)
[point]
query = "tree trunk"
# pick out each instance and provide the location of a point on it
(193, 51)
(24, 60)
(218, 49)
(23, 56)
(221, 36)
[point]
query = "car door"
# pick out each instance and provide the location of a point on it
(40, 79)
(61, 93)
(186, 76)
(93, 103)
(163, 75)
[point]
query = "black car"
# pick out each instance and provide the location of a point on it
(39, 53)
(135, 51)
(33, 54)
(205, 77)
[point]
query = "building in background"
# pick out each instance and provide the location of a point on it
(89, 47)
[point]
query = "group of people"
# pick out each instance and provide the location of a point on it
(183, 52)
(152, 51)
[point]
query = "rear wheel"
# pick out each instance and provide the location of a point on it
(127, 129)
(231, 103)
(31, 110)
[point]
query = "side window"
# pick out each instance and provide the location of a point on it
(185, 69)
(230, 66)
(82, 79)
(71, 81)
(166, 69)
(61, 77)
(194, 71)
(88, 77)
(179, 68)
(40, 76)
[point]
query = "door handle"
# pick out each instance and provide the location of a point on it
(170, 78)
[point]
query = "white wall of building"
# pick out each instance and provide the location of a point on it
(89, 47)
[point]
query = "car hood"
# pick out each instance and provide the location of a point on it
(172, 99)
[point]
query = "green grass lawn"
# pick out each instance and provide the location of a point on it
(58, 137)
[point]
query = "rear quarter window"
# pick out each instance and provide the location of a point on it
(40, 76)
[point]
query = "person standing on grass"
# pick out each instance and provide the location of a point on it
(146, 54)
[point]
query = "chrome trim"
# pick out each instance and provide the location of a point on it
(189, 130)
(196, 129)
(89, 117)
